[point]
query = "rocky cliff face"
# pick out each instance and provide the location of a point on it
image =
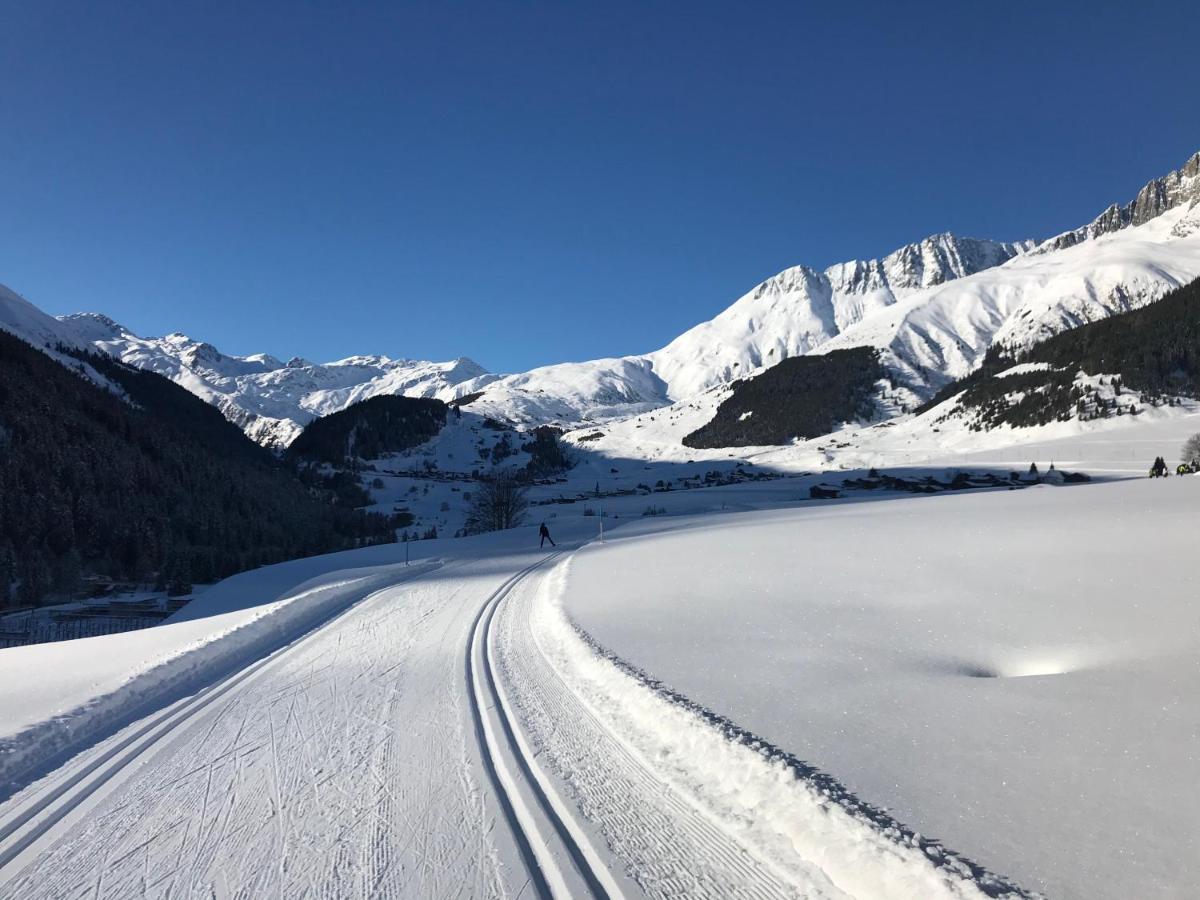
(1172, 190)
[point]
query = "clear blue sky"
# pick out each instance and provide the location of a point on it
(527, 183)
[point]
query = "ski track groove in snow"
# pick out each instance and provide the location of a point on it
(669, 847)
(736, 825)
(322, 771)
(548, 831)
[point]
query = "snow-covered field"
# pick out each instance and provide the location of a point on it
(1013, 672)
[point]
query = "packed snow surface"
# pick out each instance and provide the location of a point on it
(353, 758)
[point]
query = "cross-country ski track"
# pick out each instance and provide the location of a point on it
(450, 735)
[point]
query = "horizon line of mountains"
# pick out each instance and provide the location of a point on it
(933, 309)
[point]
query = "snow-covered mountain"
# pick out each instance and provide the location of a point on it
(20, 317)
(941, 334)
(269, 399)
(789, 314)
(932, 308)
(798, 310)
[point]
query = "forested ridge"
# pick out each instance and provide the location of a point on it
(370, 429)
(156, 487)
(1154, 350)
(804, 396)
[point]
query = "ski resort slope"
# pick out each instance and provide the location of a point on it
(1012, 672)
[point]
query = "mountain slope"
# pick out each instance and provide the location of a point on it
(20, 317)
(933, 309)
(1150, 355)
(798, 310)
(790, 314)
(943, 333)
(148, 484)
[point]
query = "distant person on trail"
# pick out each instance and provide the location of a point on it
(544, 533)
(1159, 469)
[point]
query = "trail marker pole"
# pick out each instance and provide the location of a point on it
(406, 543)
(602, 524)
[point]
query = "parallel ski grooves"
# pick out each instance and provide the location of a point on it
(542, 871)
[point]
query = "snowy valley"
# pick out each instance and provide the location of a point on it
(857, 590)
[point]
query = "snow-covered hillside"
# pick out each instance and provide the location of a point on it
(26, 321)
(941, 334)
(800, 309)
(789, 314)
(933, 308)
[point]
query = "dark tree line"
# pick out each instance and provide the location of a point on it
(803, 396)
(152, 487)
(1154, 350)
(547, 455)
(369, 429)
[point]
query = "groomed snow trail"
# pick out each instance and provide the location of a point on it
(686, 812)
(448, 736)
(342, 766)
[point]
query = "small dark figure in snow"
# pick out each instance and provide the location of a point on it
(1159, 469)
(544, 533)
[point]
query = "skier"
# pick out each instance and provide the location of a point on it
(544, 533)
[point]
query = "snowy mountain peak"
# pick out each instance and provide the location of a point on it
(92, 326)
(20, 317)
(1157, 197)
(799, 309)
(269, 399)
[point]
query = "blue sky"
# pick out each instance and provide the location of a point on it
(527, 183)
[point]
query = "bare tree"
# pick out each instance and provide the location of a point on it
(1191, 450)
(499, 503)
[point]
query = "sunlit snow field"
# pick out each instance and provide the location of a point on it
(1013, 672)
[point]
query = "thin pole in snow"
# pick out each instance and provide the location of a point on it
(406, 543)
(602, 524)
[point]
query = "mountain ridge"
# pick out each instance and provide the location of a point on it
(932, 307)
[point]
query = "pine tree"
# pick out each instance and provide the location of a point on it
(8, 574)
